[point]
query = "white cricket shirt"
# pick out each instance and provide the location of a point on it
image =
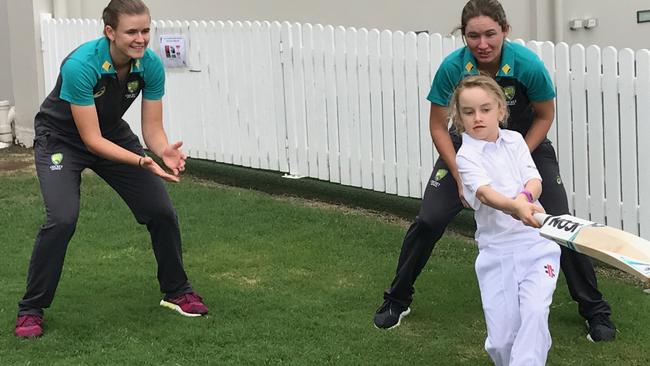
(506, 166)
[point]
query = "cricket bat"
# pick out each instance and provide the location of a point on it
(615, 247)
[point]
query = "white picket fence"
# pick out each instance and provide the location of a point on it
(349, 106)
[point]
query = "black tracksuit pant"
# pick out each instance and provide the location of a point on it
(441, 204)
(60, 178)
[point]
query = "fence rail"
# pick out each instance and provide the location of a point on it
(349, 106)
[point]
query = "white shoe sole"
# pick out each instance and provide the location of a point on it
(172, 306)
(590, 339)
(589, 335)
(399, 321)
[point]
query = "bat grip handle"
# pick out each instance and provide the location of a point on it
(540, 217)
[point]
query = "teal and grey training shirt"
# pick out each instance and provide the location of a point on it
(87, 77)
(522, 76)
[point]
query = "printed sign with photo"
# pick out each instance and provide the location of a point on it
(172, 50)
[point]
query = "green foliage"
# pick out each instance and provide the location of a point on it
(287, 281)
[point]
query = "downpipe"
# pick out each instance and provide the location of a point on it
(558, 21)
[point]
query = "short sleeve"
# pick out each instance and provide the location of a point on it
(154, 78)
(77, 83)
(473, 176)
(443, 84)
(540, 86)
(527, 168)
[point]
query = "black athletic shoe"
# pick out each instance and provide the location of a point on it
(600, 329)
(389, 315)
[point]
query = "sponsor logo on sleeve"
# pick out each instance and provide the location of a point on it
(100, 92)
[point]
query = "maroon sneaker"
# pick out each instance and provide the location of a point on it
(190, 304)
(29, 326)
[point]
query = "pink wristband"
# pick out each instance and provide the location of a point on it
(529, 196)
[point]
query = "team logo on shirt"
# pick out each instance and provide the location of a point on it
(440, 173)
(549, 270)
(132, 89)
(100, 92)
(57, 159)
(509, 91)
(132, 86)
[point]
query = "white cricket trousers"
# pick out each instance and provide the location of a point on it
(516, 291)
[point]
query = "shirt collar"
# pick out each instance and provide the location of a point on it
(106, 66)
(505, 137)
(506, 68)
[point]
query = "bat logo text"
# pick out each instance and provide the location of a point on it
(564, 224)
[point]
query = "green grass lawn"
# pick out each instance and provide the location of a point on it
(288, 281)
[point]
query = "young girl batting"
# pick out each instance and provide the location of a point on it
(516, 267)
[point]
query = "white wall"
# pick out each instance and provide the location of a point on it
(530, 19)
(617, 23)
(436, 16)
(26, 62)
(6, 87)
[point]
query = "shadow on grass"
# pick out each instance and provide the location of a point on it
(312, 189)
(274, 183)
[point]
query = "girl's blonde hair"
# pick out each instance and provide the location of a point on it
(477, 81)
